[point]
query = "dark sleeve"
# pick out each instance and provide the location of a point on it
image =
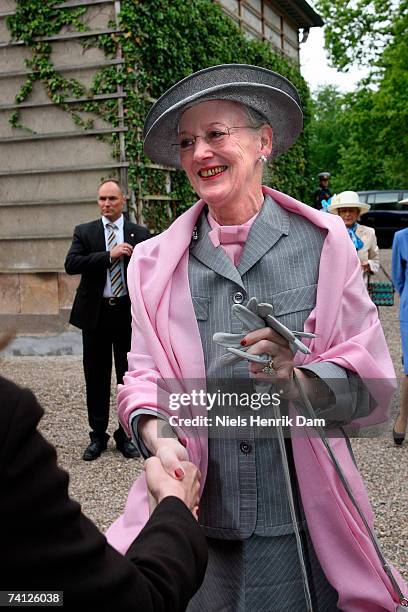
(172, 551)
(81, 259)
(47, 543)
(316, 199)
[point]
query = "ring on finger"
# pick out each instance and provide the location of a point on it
(269, 369)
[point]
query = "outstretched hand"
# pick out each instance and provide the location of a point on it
(160, 484)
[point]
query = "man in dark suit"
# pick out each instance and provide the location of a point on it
(47, 544)
(323, 193)
(100, 252)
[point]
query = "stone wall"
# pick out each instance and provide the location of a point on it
(36, 302)
(49, 174)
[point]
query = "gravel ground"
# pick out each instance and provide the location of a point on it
(101, 486)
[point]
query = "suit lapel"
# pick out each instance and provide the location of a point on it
(127, 232)
(214, 258)
(271, 223)
(361, 232)
(99, 236)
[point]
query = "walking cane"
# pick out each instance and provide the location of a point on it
(256, 316)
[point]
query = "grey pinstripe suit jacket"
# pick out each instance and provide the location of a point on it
(245, 492)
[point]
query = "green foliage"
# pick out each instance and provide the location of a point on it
(327, 135)
(358, 32)
(162, 42)
(391, 104)
(368, 126)
(168, 40)
(361, 162)
(35, 19)
(38, 18)
(359, 140)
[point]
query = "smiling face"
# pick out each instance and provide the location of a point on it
(349, 214)
(110, 200)
(224, 170)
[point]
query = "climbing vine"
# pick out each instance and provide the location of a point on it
(162, 41)
(37, 19)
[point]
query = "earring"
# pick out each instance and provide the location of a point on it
(263, 159)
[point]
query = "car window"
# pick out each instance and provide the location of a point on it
(387, 200)
(371, 198)
(387, 197)
(362, 197)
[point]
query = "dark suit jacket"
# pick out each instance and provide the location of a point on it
(320, 195)
(88, 256)
(47, 543)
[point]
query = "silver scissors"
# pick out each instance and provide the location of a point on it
(256, 316)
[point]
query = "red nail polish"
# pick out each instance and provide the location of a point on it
(243, 342)
(179, 473)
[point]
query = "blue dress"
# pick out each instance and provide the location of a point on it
(400, 280)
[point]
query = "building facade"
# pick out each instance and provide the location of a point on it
(50, 169)
(273, 21)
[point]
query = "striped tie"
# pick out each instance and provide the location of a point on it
(115, 271)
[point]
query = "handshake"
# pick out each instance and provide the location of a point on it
(185, 486)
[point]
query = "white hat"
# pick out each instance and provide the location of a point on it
(347, 199)
(404, 201)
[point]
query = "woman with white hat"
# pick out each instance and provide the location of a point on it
(348, 206)
(243, 240)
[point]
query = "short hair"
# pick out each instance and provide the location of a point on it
(256, 119)
(111, 180)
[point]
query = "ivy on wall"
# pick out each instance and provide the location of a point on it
(162, 41)
(36, 19)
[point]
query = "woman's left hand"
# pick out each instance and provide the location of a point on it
(267, 341)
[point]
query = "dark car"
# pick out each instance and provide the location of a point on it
(386, 215)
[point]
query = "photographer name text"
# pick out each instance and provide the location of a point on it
(240, 421)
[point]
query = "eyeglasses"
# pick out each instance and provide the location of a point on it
(215, 138)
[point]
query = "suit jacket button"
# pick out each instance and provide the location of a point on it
(245, 447)
(238, 297)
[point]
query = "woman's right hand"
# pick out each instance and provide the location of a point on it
(171, 454)
(160, 484)
(162, 442)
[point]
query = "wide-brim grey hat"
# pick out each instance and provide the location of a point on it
(267, 92)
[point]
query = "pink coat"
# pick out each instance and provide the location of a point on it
(166, 344)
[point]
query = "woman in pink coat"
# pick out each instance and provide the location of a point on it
(221, 125)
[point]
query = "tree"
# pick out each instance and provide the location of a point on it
(359, 32)
(327, 134)
(374, 118)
